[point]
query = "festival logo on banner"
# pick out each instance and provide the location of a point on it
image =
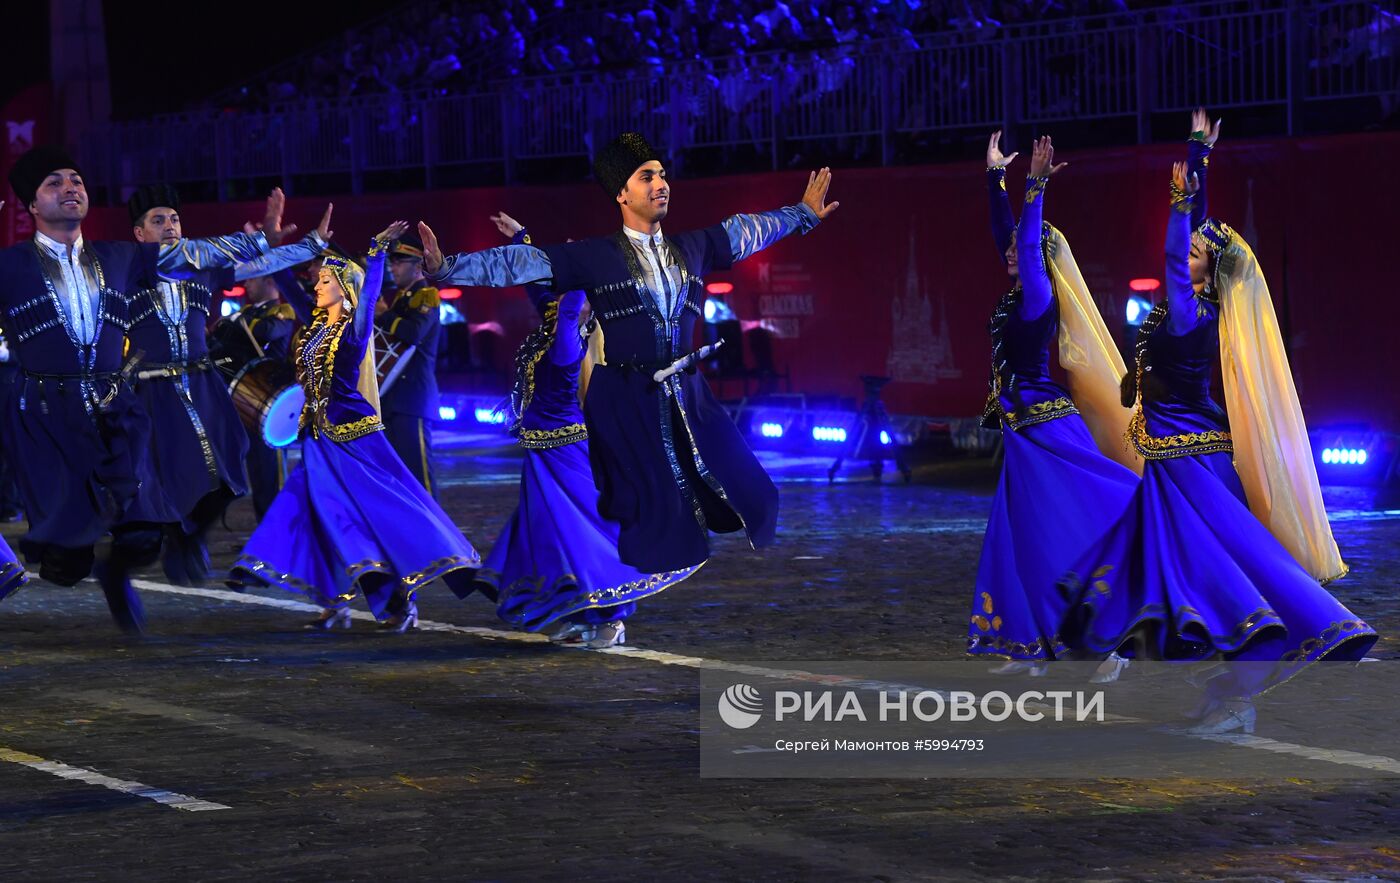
(918, 354)
(788, 298)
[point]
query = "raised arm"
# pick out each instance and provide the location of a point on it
(285, 256)
(1183, 308)
(1035, 276)
(1003, 223)
(1199, 145)
(502, 267)
(280, 258)
(185, 257)
(362, 323)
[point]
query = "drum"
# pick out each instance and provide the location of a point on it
(390, 358)
(269, 400)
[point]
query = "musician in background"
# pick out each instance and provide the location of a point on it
(198, 443)
(269, 322)
(410, 318)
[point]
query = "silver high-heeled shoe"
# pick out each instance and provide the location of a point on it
(1233, 714)
(607, 635)
(573, 633)
(406, 620)
(331, 618)
(1110, 670)
(1035, 669)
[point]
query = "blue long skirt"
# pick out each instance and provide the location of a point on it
(1056, 496)
(557, 556)
(351, 518)
(1193, 573)
(11, 571)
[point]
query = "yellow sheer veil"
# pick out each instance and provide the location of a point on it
(1089, 355)
(351, 277)
(1272, 453)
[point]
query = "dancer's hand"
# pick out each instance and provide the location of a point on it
(995, 158)
(1200, 122)
(432, 252)
(272, 219)
(388, 234)
(507, 225)
(815, 197)
(1043, 158)
(324, 228)
(1186, 185)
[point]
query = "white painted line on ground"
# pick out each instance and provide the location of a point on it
(1376, 762)
(172, 799)
(662, 657)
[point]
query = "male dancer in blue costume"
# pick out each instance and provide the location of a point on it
(199, 443)
(667, 460)
(72, 419)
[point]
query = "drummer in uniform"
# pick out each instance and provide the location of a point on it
(262, 329)
(410, 318)
(198, 444)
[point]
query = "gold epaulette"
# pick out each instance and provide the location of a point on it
(283, 311)
(425, 299)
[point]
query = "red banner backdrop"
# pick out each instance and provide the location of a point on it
(26, 121)
(902, 279)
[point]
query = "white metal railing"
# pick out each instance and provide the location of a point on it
(864, 97)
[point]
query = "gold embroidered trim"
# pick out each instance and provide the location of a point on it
(550, 327)
(1186, 444)
(1035, 187)
(542, 439)
(419, 578)
(344, 432)
(983, 642)
(1040, 412)
(1181, 200)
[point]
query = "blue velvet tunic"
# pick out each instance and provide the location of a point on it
(668, 461)
(70, 420)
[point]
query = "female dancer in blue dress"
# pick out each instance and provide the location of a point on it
(1057, 491)
(351, 518)
(1189, 572)
(556, 561)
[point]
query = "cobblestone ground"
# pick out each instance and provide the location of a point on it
(451, 756)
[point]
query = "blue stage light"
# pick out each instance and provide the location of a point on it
(771, 430)
(828, 433)
(447, 412)
(885, 437)
(1345, 456)
(489, 415)
(229, 307)
(1138, 308)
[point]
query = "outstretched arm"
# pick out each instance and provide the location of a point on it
(185, 257)
(286, 256)
(502, 267)
(751, 233)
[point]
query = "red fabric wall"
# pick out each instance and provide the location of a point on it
(902, 279)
